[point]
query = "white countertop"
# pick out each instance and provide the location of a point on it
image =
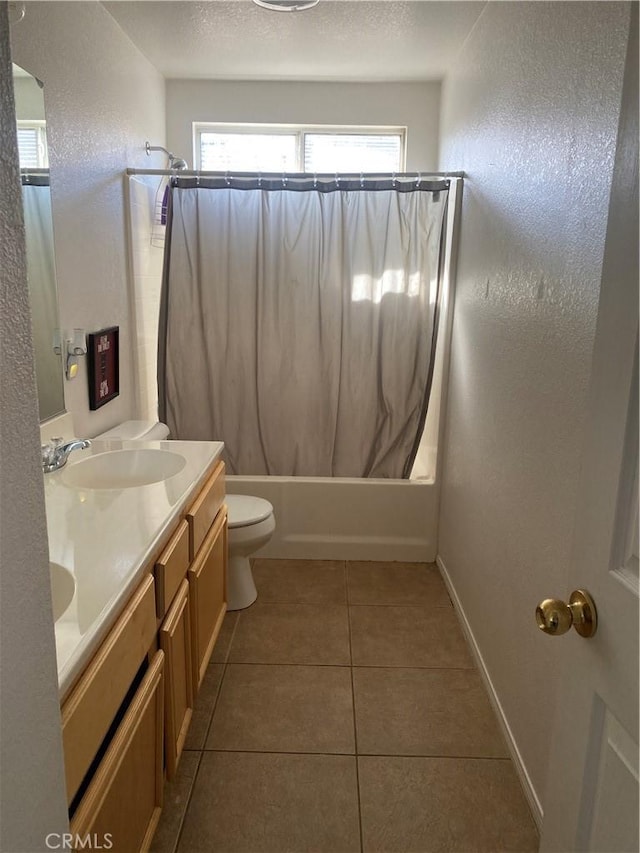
(105, 539)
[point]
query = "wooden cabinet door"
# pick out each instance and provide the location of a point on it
(208, 595)
(121, 806)
(90, 708)
(175, 642)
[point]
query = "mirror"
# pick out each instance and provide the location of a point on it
(41, 274)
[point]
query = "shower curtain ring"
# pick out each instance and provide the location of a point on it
(227, 178)
(284, 180)
(361, 181)
(315, 180)
(418, 179)
(337, 182)
(393, 179)
(259, 180)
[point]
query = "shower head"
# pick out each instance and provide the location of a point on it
(177, 163)
(174, 162)
(287, 5)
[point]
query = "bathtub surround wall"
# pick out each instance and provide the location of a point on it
(413, 105)
(147, 233)
(32, 801)
(102, 99)
(530, 112)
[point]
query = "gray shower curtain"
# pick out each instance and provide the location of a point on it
(298, 321)
(38, 226)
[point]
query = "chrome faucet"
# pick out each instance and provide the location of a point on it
(55, 454)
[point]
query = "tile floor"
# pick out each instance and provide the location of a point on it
(343, 712)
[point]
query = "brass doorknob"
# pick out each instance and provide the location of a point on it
(556, 617)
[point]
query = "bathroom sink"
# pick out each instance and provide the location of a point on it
(63, 586)
(123, 469)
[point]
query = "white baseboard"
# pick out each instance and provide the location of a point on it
(525, 780)
(318, 546)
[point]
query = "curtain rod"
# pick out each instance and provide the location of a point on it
(192, 173)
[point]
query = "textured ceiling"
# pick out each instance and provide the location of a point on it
(336, 40)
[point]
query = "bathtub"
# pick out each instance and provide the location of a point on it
(319, 518)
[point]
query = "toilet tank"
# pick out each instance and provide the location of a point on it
(137, 431)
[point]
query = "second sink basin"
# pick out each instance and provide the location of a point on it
(63, 586)
(123, 469)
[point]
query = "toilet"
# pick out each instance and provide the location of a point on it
(251, 523)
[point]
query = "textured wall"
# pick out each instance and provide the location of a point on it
(415, 105)
(530, 112)
(32, 791)
(103, 99)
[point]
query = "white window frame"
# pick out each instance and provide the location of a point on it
(300, 130)
(39, 125)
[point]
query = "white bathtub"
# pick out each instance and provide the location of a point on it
(347, 519)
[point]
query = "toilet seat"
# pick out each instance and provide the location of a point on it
(245, 510)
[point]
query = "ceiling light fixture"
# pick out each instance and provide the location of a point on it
(287, 5)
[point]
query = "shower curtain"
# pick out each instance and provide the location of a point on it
(38, 225)
(298, 320)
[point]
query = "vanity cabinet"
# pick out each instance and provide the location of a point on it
(207, 519)
(191, 602)
(207, 586)
(93, 704)
(175, 642)
(125, 721)
(123, 801)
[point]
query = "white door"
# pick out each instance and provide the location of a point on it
(591, 800)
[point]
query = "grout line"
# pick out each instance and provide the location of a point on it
(428, 755)
(233, 634)
(183, 819)
(347, 665)
(215, 704)
(355, 736)
(403, 605)
(348, 603)
(206, 737)
(254, 751)
(287, 663)
(437, 757)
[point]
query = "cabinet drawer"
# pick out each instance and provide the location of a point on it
(92, 704)
(208, 596)
(175, 642)
(205, 508)
(171, 568)
(122, 804)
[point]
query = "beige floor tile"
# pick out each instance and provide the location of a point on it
(301, 581)
(425, 712)
(292, 633)
(223, 643)
(284, 709)
(396, 583)
(203, 708)
(176, 797)
(266, 803)
(407, 636)
(417, 805)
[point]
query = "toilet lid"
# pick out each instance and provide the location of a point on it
(247, 509)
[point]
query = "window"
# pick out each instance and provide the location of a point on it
(32, 145)
(288, 148)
